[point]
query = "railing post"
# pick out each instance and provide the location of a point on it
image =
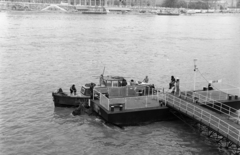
(173, 99)
(239, 92)
(219, 95)
(152, 92)
(194, 109)
(238, 116)
(210, 119)
(165, 99)
(193, 96)
(207, 92)
(146, 101)
(228, 130)
(239, 136)
(125, 103)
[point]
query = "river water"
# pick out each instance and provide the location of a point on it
(40, 52)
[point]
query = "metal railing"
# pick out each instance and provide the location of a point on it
(220, 89)
(104, 101)
(203, 116)
(211, 103)
(136, 102)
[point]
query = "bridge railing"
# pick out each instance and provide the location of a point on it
(203, 116)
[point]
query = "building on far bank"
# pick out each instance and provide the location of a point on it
(216, 4)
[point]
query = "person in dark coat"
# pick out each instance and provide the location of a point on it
(171, 84)
(73, 90)
(124, 82)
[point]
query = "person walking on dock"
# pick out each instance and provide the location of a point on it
(73, 89)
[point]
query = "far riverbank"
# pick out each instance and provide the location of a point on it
(24, 6)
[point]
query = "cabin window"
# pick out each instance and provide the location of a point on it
(115, 83)
(109, 83)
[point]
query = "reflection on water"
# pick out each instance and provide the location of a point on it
(41, 52)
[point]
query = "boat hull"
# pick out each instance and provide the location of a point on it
(133, 117)
(68, 101)
(93, 12)
(168, 14)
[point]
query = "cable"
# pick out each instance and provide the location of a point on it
(206, 79)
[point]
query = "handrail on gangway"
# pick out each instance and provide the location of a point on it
(204, 117)
(204, 100)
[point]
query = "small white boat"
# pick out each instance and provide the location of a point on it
(210, 11)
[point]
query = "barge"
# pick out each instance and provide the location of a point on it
(128, 104)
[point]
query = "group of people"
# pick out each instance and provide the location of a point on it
(145, 80)
(174, 85)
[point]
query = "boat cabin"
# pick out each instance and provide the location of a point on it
(116, 86)
(87, 89)
(112, 81)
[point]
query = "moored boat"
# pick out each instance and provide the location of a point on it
(168, 13)
(96, 10)
(63, 99)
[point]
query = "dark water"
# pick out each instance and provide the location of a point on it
(41, 52)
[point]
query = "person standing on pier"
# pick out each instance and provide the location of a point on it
(101, 80)
(146, 79)
(177, 86)
(171, 84)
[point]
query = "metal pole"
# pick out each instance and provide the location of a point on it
(195, 69)
(146, 101)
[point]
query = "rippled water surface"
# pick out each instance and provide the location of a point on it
(40, 52)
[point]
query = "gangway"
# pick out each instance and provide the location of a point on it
(227, 131)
